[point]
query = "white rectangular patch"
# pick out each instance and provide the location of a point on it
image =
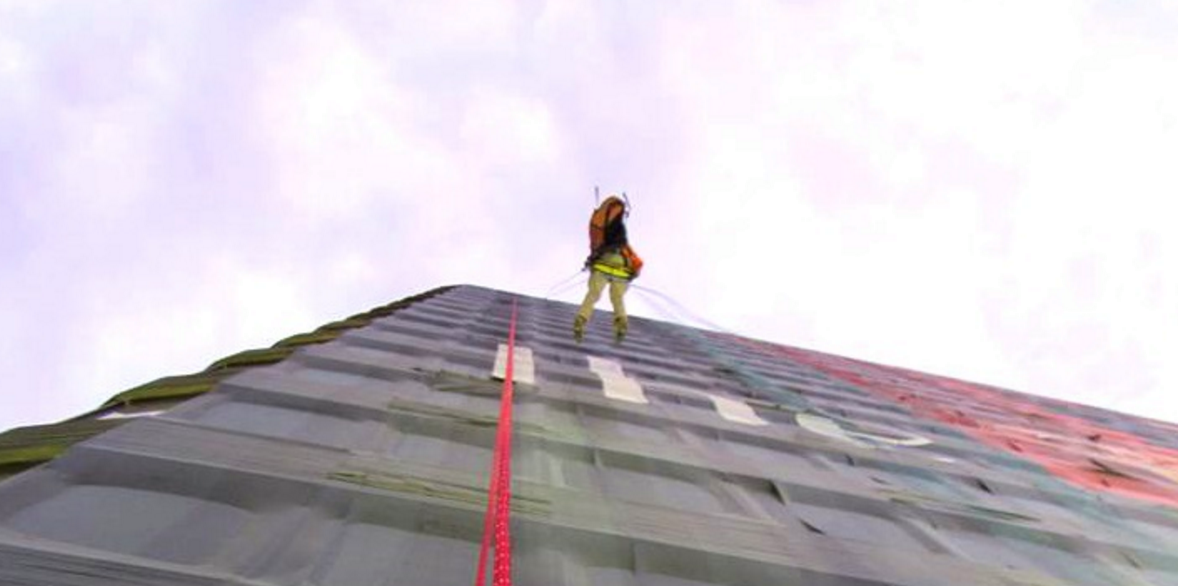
(524, 369)
(615, 383)
(118, 415)
(736, 411)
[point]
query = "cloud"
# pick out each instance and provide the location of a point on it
(928, 184)
(888, 183)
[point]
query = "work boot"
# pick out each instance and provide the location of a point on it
(619, 329)
(578, 328)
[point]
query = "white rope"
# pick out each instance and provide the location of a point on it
(563, 285)
(684, 311)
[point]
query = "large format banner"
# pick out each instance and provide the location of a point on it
(1092, 449)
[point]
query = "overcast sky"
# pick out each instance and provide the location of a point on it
(978, 189)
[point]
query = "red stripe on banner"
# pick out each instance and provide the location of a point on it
(1070, 446)
(498, 517)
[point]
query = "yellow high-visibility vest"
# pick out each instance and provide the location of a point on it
(612, 271)
(614, 265)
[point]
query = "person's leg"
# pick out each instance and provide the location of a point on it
(617, 292)
(597, 283)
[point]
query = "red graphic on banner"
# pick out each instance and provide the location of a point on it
(1078, 450)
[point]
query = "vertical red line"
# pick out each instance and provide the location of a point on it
(480, 577)
(497, 519)
(502, 572)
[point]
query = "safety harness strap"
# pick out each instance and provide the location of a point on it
(612, 271)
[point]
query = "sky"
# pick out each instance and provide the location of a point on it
(975, 189)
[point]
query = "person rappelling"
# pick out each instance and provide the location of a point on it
(612, 261)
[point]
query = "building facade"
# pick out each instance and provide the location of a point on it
(360, 454)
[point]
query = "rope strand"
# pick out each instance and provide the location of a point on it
(683, 310)
(497, 523)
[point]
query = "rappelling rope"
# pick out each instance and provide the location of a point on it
(768, 389)
(680, 310)
(564, 285)
(497, 524)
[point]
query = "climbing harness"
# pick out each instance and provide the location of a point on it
(619, 273)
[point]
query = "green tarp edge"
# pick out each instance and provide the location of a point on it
(25, 447)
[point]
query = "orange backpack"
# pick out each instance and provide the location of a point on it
(610, 211)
